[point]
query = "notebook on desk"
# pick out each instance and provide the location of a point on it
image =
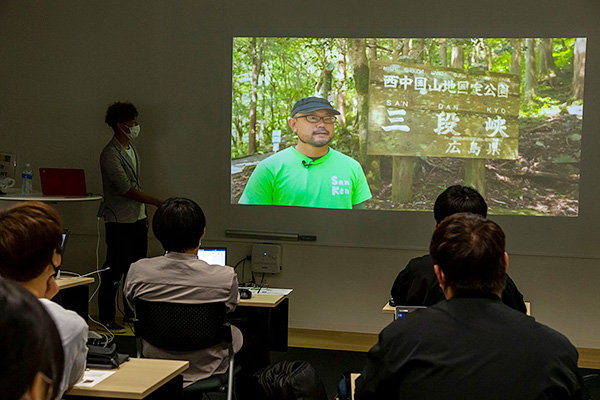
(63, 182)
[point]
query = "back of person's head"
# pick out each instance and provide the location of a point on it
(120, 112)
(30, 232)
(179, 224)
(469, 249)
(29, 346)
(457, 199)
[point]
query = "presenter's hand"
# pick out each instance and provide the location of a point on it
(51, 288)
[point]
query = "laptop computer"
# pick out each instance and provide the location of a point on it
(63, 182)
(213, 255)
(401, 311)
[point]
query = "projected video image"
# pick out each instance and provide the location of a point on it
(388, 124)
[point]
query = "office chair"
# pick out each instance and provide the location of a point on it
(187, 327)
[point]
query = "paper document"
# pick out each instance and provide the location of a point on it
(91, 377)
(274, 291)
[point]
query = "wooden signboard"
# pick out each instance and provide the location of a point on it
(420, 110)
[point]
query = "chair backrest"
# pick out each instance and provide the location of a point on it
(181, 327)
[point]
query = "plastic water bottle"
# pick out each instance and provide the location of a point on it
(27, 176)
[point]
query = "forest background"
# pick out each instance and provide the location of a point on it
(270, 74)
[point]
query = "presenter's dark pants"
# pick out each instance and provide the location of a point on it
(125, 244)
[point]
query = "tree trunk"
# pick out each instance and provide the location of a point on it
(405, 48)
(341, 82)
(372, 49)
(256, 53)
(579, 68)
(373, 166)
(323, 87)
(404, 167)
(443, 52)
(416, 47)
(475, 167)
(458, 57)
(530, 76)
(357, 57)
(545, 58)
(515, 62)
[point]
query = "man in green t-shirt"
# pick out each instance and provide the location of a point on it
(310, 174)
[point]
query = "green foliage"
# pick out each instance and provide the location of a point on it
(292, 67)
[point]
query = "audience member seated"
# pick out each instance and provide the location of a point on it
(30, 240)
(416, 285)
(470, 346)
(180, 277)
(31, 357)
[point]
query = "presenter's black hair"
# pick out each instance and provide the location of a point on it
(29, 343)
(179, 224)
(120, 112)
(457, 199)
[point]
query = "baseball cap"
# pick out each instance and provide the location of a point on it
(309, 104)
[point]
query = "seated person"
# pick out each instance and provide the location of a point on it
(470, 346)
(30, 240)
(416, 285)
(180, 277)
(31, 357)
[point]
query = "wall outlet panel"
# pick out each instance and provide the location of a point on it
(266, 258)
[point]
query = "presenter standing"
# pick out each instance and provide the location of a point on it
(310, 174)
(124, 210)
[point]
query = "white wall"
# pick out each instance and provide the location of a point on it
(62, 63)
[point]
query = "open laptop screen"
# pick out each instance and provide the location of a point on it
(213, 255)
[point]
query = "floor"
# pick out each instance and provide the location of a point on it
(330, 364)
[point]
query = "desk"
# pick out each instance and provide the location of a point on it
(74, 294)
(72, 281)
(266, 316)
(13, 195)
(387, 309)
(262, 300)
(137, 379)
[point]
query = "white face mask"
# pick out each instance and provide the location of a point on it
(134, 131)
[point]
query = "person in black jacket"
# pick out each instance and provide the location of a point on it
(470, 346)
(416, 285)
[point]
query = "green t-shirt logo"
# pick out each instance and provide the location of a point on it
(289, 178)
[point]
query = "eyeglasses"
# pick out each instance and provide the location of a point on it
(314, 119)
(56, 270)
(49, 383)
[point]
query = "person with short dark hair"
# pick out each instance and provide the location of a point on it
(416, 284)
(309, 174)
(124, 208)
(179, 276)
(470, 346)
(31, 356)
(30, 253)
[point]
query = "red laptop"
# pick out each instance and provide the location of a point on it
(63, 182)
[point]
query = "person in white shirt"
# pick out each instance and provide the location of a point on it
(31, 356)
(180, 277)
(30, 253)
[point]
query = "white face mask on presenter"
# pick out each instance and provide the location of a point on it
(131, 132)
